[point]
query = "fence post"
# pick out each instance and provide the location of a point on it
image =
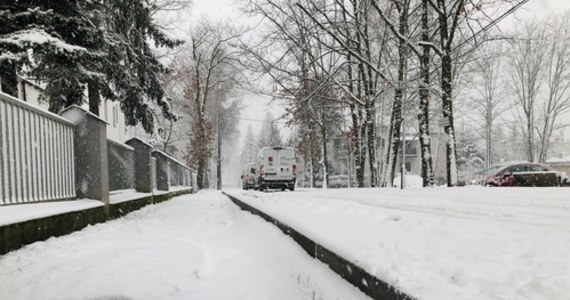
(143, 165)
(162, 171)
(90, 149)
(194, 181)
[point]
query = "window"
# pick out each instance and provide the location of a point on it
(516, 168)
(115, 116)
(537, 168)
(106, 109)
(411, 148)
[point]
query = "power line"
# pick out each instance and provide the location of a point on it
(493, 23)
(263, 121)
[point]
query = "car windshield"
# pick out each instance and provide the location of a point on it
(491, 170)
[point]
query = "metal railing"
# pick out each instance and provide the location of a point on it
(36, 154)
(177, 173)
(180, 174)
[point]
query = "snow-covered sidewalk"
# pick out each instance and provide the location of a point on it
(440, 243)
(192, 247)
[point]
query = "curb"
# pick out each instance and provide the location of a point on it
(364, 281)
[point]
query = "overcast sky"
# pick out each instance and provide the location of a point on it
(544, 6)
(222, 10)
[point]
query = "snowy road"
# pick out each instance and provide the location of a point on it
(192, 247)
(440, 243)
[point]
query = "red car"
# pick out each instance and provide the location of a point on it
(519, 174)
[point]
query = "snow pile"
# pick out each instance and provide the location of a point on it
(192, 247)
(414, 181)
(440, 243)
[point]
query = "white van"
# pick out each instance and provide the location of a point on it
(276, 168)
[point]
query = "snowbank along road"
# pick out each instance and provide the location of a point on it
(440, 243)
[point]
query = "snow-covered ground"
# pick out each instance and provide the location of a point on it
(440, 243)
(192, 247)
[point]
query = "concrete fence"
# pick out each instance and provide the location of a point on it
(121, 166)
(46, 157)
(36, 154)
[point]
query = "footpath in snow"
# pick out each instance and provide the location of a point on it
(193, 247)
(440, 243)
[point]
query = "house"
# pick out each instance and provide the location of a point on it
(340, 164)
(412, 154)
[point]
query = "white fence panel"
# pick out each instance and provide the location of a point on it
(36, 154)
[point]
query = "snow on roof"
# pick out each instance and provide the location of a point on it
(77, 108)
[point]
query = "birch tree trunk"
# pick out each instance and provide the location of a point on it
(324, 149)
(424, 91)
(446, 34)
(397, 104)
(370, 104)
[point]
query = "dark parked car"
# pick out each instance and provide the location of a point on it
(519, 174)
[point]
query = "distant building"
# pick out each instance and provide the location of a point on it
(412, 154)
(342, 165)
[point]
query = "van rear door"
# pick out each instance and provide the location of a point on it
(278, 163)
(285, 171)
(271, 162)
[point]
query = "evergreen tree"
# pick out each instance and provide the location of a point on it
(250, 149)
(132, 66)
(100, 44)
(51, 40)
(470, 156)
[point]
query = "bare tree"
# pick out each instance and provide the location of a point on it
(363, 45)
(488, 85)
(449, 14)
(557, 100)
(408, 44)
(208, 71)
(296, 55)
(527, 61)
(459, 22)
(357, 36)
(402, 32)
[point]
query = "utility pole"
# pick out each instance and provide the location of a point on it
(403, 132)
(219, 158)
(403, 168)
